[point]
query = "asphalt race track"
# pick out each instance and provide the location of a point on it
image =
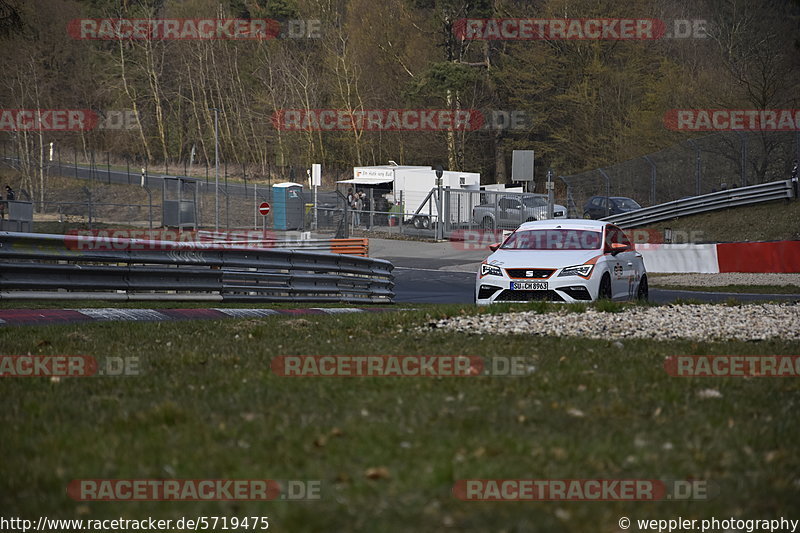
(420, 285)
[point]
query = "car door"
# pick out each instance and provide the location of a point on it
(623, 265)
(537, 208)
(597, 208)
(616, 263)
(630, 262)
(510, 212)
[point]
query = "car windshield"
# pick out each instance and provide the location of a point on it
(534, 201)
(626, 203)
(553, 239)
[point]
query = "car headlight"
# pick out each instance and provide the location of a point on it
(577, 270)
(490, 270)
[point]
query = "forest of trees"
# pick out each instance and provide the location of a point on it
(585, 103)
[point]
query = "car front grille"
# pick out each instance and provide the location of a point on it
(530, 273)
(528, 296)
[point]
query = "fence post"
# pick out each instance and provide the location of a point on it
(743, 154)
(797, 145)
(698, 165)
(88, 193)
(608, 191)
(653, 174)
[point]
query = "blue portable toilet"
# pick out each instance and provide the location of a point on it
(287, 206)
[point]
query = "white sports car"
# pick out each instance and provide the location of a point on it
(570, 260)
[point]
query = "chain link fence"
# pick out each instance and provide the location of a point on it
(127, 191)
(691, 168)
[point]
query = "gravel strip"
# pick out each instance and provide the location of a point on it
(695, 322)
(728, 278)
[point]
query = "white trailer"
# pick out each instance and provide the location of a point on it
(412, 185)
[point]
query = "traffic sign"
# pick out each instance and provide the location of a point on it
(264, 208)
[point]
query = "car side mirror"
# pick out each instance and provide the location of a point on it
(617, 247)
(494, 247)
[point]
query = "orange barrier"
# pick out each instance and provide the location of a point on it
(350, 246)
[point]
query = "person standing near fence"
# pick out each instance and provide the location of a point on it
(10, 195)
(365, 207)
(357, 205)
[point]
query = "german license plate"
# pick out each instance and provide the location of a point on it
(528, 285)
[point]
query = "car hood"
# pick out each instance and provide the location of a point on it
(541, 258)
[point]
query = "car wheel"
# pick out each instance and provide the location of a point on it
(426, 223)
(604, 292)
(487, 224)
(587, 216)
(418, 222)
(643, 292)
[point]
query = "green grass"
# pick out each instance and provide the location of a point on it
(208, 406)
(770, 221)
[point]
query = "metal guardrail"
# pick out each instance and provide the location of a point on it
(40, 266)
(753, 194)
